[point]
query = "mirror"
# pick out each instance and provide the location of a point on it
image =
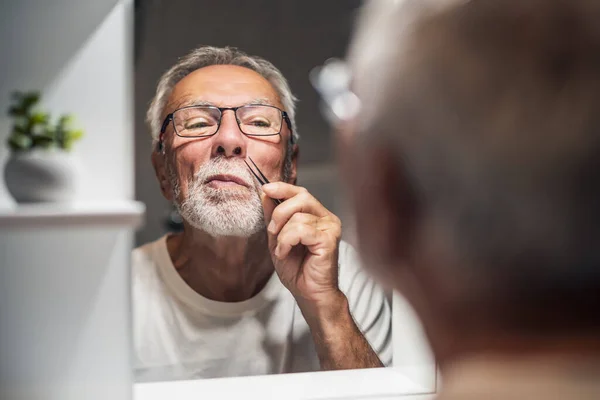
(200, 312)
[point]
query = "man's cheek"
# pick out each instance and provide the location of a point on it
(347, 154)
(181, 184)
(271, 166)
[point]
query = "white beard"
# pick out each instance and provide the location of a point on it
(221, 212)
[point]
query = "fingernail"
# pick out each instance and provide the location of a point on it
(271, 227)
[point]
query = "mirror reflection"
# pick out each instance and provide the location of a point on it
(243, 267)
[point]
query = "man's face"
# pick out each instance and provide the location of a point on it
(206, 177)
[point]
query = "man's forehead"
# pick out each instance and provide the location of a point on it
(223, 85)
(195, 100)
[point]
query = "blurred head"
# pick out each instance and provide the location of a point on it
(474, 164)
(199, 147)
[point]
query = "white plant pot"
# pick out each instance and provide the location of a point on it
(41, 176)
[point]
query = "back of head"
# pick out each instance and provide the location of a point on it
(493, 109)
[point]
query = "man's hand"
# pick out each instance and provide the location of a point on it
(303, 239)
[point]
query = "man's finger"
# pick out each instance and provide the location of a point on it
(294, 234)
(303, 202)
(305, 218)
(282, 190)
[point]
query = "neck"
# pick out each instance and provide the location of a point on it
(452, 344)
(227, 269)
(526, 376)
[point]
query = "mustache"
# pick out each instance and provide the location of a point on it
(221, 166)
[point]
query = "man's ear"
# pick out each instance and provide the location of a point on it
(158, 162)
(385, 207)
(294, 170)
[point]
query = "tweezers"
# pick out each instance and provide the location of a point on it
(260, 177)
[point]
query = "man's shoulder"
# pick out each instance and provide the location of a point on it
(147, 261)
(368, 301)
(146, 253)
(355, 279)
(348, 258)
(351, 269)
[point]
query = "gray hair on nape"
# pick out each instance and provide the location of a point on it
(206, 56)
(492, 109)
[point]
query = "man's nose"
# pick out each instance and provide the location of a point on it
(229, 140)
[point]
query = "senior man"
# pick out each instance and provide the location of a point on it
(476, 135)
(227, 296)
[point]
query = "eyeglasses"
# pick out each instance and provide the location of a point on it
(332, 82)
(204, 121)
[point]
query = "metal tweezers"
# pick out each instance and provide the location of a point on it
(260, 177)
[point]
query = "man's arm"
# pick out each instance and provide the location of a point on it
(338, 341)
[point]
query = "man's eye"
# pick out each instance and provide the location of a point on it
(261, 123)
(197, 124)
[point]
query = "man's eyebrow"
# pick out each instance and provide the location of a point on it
(190, 102)
(263, 101)
(187, 102)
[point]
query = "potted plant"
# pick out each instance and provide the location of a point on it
(40, 167)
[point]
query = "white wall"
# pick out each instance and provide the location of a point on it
(79, 55)
(64, 315)
(64, 303)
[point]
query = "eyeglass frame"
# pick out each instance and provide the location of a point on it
(169, 118)
(339, 104)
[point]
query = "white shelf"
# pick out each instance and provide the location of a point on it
(108, 213)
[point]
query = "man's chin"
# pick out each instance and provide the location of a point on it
(224, 217)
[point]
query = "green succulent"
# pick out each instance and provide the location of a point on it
(33, 128)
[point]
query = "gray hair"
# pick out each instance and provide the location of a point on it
(206, 56)
(493, 110)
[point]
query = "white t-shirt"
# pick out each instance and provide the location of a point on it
(181, 335)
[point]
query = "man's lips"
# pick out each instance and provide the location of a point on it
(226, 180)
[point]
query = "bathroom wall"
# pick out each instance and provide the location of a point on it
(79, 54)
